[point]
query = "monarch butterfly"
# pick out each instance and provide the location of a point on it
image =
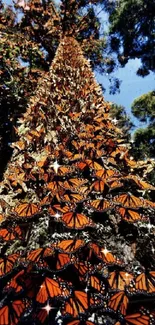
(13, 284)
(48, 289)
(93, 164)
(62, 170)
(83, 268)
(129, 215)
(29, 281)
(42, 315)
(32, 134)
(19, 145)
(81, 165)
(145, 282)
(10, 233)
(142, 184)
(94, 248)
(2, 218)
(76, 220)
(119, 279)
(46, 200)
(43, 161)
(78, 145)
(70, 245)
(7, 263)
(136, 319)
(39, 254)
(99, 186)
(148, 203)
(79, 304)
(73, 183)
(118, 152)
(16, 179)
(27, 209)
(43, 176)
(128, 201)
(130, 162)
(107, 257)
(55, 186)
(96, 284)
(83, 190)
(107, 173)
(58, 207)
(74, 116)
(62, 261)
(72, 197)
(73, 157)
(11, 313)
(114, 184)
(80, 322)
(119, 302)
(3, 205)
(99, 205)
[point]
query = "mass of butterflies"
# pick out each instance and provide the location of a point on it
(70, 166)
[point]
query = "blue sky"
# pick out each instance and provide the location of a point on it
(132, 86)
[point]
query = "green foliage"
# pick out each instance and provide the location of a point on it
(132, 32)
(123, 121)
(144, 142)
(143, 107)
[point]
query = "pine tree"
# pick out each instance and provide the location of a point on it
(76, 234)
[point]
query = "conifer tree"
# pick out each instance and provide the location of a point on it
(76, 234)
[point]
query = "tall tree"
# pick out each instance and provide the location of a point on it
(76, 235)
(30, 35)
(143, 108)
(132, 27)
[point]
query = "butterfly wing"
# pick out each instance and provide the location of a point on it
(7, 263)
(48, 289)
(26, 210)
(137, 319)
(119, 279)
(75, 220)
(119, 302)
(70, 245)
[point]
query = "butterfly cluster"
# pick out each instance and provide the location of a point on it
(71, 171)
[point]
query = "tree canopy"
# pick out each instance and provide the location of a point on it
(132, 26)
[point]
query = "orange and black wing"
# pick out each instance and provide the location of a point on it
(137, 319)
(7, 263)
(119, 279)
(70, 245)
(80, 322)
(75, 220)
(27, 210)
(129, 215)
(48, 289)
(11, 313)
(128, 201)
(99, 205)
(145, 282)
(10, 233)
(79, 304)
(119, 302)
(39, 254)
